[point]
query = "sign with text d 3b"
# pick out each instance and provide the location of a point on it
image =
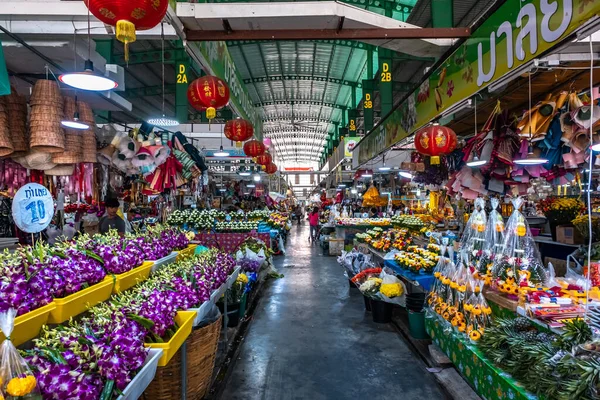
(33, 208)
(516, 33)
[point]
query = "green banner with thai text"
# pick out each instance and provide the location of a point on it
(518, 32)
(4, 82)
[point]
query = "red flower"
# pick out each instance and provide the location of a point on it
(450, 88)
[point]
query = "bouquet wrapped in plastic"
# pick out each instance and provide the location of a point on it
(473, 239)
(368, 281)
(518, 266)
(477, 313)
(391, 290)
(493, 242)
(16, 379)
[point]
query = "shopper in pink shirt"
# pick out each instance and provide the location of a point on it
(313, 220)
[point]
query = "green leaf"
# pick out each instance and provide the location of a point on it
(107, 391)
(145, 322)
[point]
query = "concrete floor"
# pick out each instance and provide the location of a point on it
(310, 338)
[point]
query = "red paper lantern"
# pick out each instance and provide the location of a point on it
(208, 93)
(254, 148)
(264, 159)
(271, 168)
(435, 141)
(128, 16)
(238, 130)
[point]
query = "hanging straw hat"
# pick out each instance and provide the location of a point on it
(46, 114)
(61, 170)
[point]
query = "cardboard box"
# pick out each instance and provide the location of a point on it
(568, 235)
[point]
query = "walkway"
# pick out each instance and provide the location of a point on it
(311, 339)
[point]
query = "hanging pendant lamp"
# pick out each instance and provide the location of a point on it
(163, 121)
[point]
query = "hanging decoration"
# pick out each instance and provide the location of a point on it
(271, 168)
(128, 16)
(264, 159)
(254, 148)
(238, 130)
(208, 93)
(435, 141)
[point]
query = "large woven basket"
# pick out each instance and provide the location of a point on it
(46, 102)
(201, 350)
(89, 147)
(6, 146)
(73, 152)
(16, 110)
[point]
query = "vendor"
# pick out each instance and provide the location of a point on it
(111, 220)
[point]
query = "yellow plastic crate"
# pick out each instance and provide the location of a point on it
(81, 301)
(28, 326)
(185, 320)
(187, 252)
(128, 279)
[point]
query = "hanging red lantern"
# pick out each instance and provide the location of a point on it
(435, 141)
(271, 168)
(238, 130)
(254, 148)
(264, 159)
(208, 93)
(128, 16)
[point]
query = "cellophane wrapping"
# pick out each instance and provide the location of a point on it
(17, 380)
(493, 242)
(473, 239)
(518, 264)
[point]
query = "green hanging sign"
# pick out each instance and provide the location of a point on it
(518, 32)
(4, 82)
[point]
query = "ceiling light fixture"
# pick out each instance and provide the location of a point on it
(475, 161)
(384, 167)
(367, 174)
(353, 191)
(257, 178)
(530, 159)
(163, 121)
(87, 79)
(405, 174)
(75, 123)
(251, 185)
(221, 152)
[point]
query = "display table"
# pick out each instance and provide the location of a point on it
(423, 280)
(348, 232)
(230, 242)
(489, 381)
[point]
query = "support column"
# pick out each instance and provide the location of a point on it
(385, 81)
(181, 86)
(442, 13)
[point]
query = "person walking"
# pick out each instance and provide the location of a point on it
(313, 220)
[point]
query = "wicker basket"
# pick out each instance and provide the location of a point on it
(88, 154)
(46, 102)
(16, 110)
(61, 170)
(201, 350)
(73, 152)
(6, 146)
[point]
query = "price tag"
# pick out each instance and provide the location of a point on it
(33, 208)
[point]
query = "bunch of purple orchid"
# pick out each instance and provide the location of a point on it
(98, 355)
(118, 254)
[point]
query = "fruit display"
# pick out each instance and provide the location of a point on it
(384, 222)
(236, 226)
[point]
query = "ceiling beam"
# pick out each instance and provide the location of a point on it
(297, 102)
(303, 78)
(347, 34)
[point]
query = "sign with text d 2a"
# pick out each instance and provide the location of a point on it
(33, 208)
(518, 32)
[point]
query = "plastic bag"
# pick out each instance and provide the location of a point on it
(493, 242)
(17, 379)
(518, 265)
(392, 290)
(473, 240)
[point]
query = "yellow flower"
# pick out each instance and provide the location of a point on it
(391, 289)
(18, 387)
(243, 278)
